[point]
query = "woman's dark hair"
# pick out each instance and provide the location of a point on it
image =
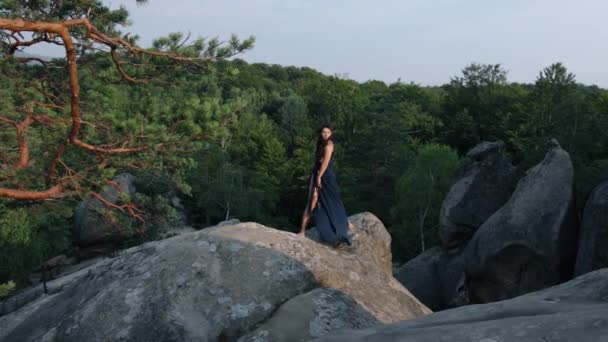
(322, 143)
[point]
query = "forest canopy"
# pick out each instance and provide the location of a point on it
(236, 140)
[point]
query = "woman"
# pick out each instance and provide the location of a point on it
(324, 202)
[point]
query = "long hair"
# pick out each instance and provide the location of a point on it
(322, 143)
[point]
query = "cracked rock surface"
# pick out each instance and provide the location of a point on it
(222, 283)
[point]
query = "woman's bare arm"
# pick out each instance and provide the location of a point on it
(329, 149)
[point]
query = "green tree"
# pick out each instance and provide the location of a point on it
(479, 105)
(242, 176)
(69, 124)
(554, 106)
(50, 98)
(28, 235)
(419, 194)
(395, 123)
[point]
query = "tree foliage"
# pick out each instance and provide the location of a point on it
(419, 194)
(234, 139)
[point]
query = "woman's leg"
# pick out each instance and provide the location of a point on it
(311, 204)
(305, 219)
(308, 212)
(315, 199)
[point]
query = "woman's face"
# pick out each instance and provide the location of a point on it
(325, 133)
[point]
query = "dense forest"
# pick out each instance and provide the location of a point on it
(235, 139)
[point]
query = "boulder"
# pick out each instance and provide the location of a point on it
(593, 242)
(51, 268)
(217, 284)
(70, 275)
(573, 311)
(420, 277)
(370, 240)
(486, 182)
(450, 272)
(312, 315)
(530, 242)
(177, 224)
(89, 225)
(436, 278)
(229, 222)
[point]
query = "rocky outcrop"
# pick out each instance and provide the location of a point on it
(51, 268)
(312, 315)
(69, 275)
(221, 283)
(436, 278)
(487, 181)
(420, 277)
(529, 243)
(100, 231)
(89, 225)
(229, 222)
(592, 248)
(376, 246)
(450, 271)
(573, 311)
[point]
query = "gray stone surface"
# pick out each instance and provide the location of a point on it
(530, 243)
(436, 278)
(213, 285)
(573, 311)
(370, 240)
(420, 277)
(89, 226)
(450, 270)
(593, 243)
(70, 275)
(312, 315)
(486, 182)
(229, 222)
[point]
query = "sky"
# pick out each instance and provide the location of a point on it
(422, 41)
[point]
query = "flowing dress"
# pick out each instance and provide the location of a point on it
(329, 215)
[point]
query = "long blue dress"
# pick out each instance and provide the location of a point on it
(329, 215)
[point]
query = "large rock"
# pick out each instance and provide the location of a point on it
(420, 277)
(70, 275)
(90, 227)
(177, 224)
(436, 278)
(450, 271)
(97, 234)
(375, 240)
(216, 284)
(487, 181)
(574, 311)
(592, 248)
(312, 315)
(530, 243)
